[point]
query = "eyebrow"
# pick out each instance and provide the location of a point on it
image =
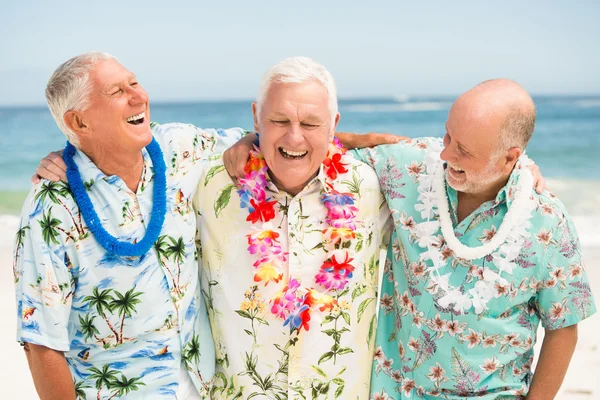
(277, 114)
(312, 119)
(460, 146)
(114, 85)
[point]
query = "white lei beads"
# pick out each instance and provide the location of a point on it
(504, 247)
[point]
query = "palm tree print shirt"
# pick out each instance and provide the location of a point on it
(427, 351)
(126, 324)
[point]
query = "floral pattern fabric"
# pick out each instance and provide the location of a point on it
(126, 325)
(427, 351)
(268, 349)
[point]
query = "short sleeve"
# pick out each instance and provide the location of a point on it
(565, 297)
(401, 152)
(43, 283)
(194, 143)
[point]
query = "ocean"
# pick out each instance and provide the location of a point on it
(565, 144)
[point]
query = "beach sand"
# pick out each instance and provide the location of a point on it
(581, 383)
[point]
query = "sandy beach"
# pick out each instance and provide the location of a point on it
(581, 382)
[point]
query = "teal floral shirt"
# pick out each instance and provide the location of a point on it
(425, 350)
(126, 325)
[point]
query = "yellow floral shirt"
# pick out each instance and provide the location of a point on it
(257, 356)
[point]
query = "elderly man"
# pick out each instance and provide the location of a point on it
(476, 261)
(290, 259)
(108, 297)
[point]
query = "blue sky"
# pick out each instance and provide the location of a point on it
(186, 50)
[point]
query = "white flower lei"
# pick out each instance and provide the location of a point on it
(504, 247)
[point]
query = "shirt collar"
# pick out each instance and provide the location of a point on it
(320, 178)
(88, 171)
(505, 195)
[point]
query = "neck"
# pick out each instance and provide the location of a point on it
(127, 165)
(469, 202)
(293, 190)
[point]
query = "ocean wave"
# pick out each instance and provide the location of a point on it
(399, 107)
(592, 103)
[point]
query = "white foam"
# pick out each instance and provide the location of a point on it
(579, 197)
(588, 229)
(588, 103)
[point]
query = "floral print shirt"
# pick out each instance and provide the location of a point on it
(427, 351)
(257, 356)
(125, 324)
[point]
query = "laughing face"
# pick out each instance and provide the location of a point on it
(295, 130)
(118, 118)
(469, 149)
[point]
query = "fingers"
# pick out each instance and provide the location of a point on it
(51, 170)
(228, 164)
(242, 156)
(376, 139)
(539, 181)
(541, 186)
(45, 173)
(234, 162)
(382, 138)
(56, 158)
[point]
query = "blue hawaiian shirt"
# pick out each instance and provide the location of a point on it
(126, 325)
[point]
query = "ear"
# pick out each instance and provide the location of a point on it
(511, 159)
(75, 122)
(334, 127)
(254, 113)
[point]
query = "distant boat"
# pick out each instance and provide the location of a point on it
(84, 354)
(164, 350)
(28, 312)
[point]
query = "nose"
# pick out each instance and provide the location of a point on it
(137, 95)
(446, 154)
(295, 133)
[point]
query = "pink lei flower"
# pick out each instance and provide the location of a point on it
(294, 303)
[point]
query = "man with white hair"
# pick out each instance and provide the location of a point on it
(477, 260)
(290, 259)
(106, 274)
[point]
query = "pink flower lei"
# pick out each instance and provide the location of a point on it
(295, 302)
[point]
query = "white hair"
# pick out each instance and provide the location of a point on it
(69, 88)
(299, 70)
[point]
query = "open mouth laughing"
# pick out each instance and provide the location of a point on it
(457, 172)
(292, 155)
(136, 119)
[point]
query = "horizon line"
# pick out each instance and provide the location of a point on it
(395, 98)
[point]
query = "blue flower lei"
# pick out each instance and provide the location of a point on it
(86, 208)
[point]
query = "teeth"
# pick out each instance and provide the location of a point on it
(294, 153)
(457, 169)
(136, 117)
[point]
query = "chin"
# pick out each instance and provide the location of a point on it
(458, 186)
(145, 138)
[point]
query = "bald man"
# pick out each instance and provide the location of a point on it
(477, 260)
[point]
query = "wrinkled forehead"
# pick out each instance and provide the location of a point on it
(298, 100)
(108, 73)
